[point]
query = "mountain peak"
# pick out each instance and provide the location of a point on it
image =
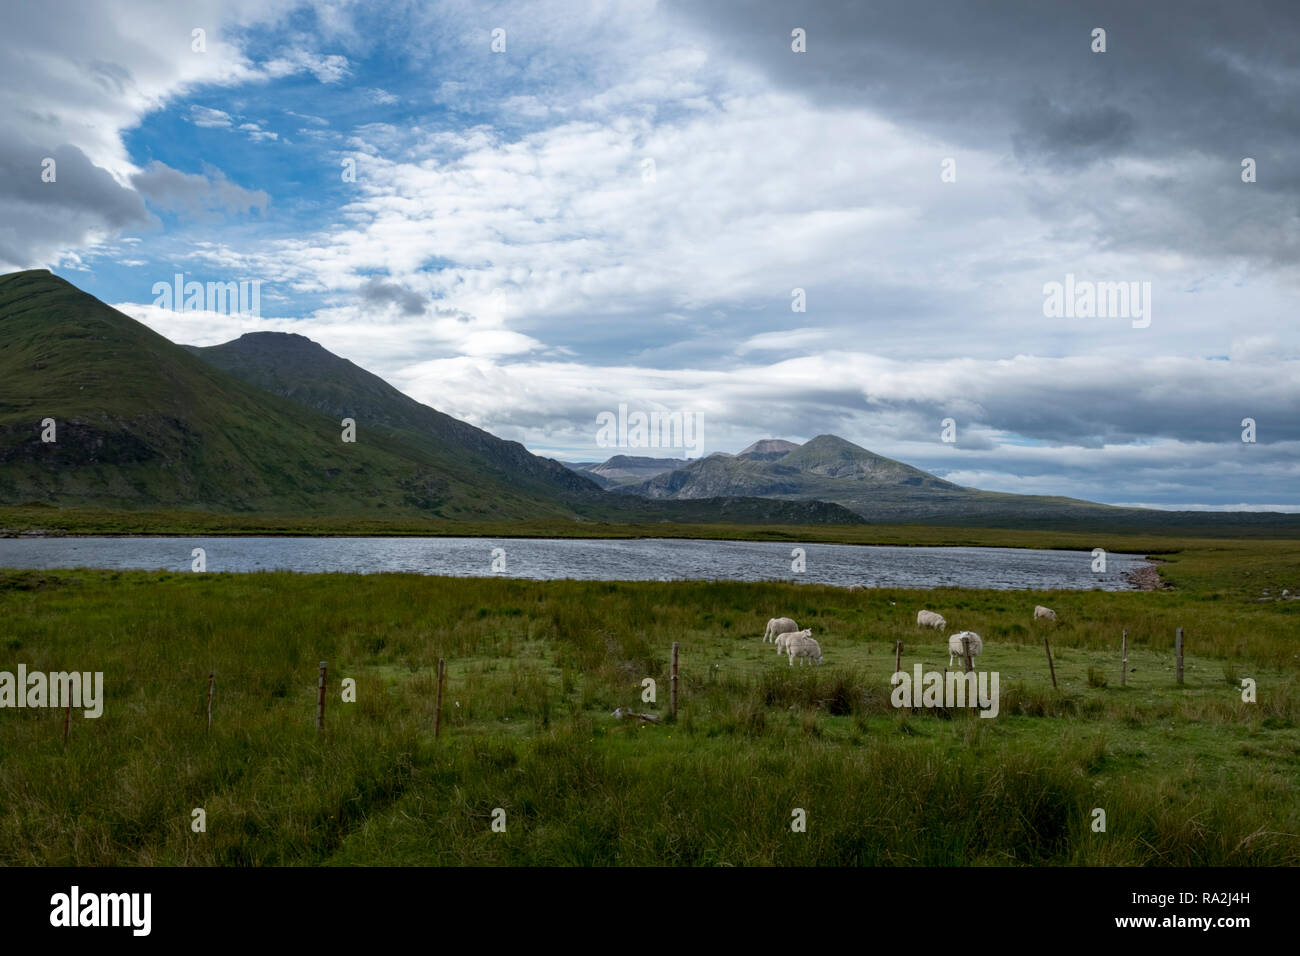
(769, 449)
(834, 441)
(278, 340)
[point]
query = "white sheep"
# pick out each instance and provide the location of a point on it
(1043, 613)
(955, 649)
(930, 619)
(801, 645)
(778, 625)
(783, 639)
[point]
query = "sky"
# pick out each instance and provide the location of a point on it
(528, 214)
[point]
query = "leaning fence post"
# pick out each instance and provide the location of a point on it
(898, 656)
(965, 652)
(67, 720)
(672, 705)
(320, 699)
(212, 679)
(1123, 653)
(1050, 666)
(442, 679)
(1179, 642)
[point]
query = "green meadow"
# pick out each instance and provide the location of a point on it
(1186, 775)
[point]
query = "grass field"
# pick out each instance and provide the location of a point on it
(1149, 539)
(1186, 775)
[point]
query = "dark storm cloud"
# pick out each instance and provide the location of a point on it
(1071, 138)
(36, 214)
(79, 185)
(1180, 83)
(196, 194)
(378, 292)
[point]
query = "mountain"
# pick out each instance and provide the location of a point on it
(296, 368)
(625, 469)
(255, 426)
(827, 465)
(880, 489)
(142, 422)
(768, 449)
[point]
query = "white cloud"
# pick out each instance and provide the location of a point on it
(327, 68)
(209, 118)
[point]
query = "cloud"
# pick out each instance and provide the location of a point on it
(375, 291)
(71, 83)
(82, 204)
(504, 255)
(1170, 89)
(194, 193)
(1071, 137)
(783, 341)
(257, 134)
(209, 118)
(327, 68)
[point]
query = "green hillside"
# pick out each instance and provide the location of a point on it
(254, 426)
(143, 423)
(296, 368)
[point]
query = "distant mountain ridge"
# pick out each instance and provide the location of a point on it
(625, 469)
(880, 489)
(255, 426)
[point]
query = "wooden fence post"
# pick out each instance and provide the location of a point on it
(1179, 642)
(1123, 653)
(898, 657)
(442, 679)
(67, 718)
(672, 706)
(1050, 665)
(965, 652)
(212, 679)
(320, 699)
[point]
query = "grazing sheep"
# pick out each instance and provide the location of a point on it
(930, 619)
(955, 649)
(783, 640)
(1044, 613)
(801, 645)
(778, 625)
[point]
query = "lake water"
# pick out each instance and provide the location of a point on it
(646, 559)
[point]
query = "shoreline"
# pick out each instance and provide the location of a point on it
(1146, 578)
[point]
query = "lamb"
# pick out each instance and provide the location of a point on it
(778, 625)
(1044, 613)
(955, 649)
(930, 619)
(801, 645)
(783, 640)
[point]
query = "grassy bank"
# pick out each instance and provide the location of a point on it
(97, 521)
(1187, 775)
